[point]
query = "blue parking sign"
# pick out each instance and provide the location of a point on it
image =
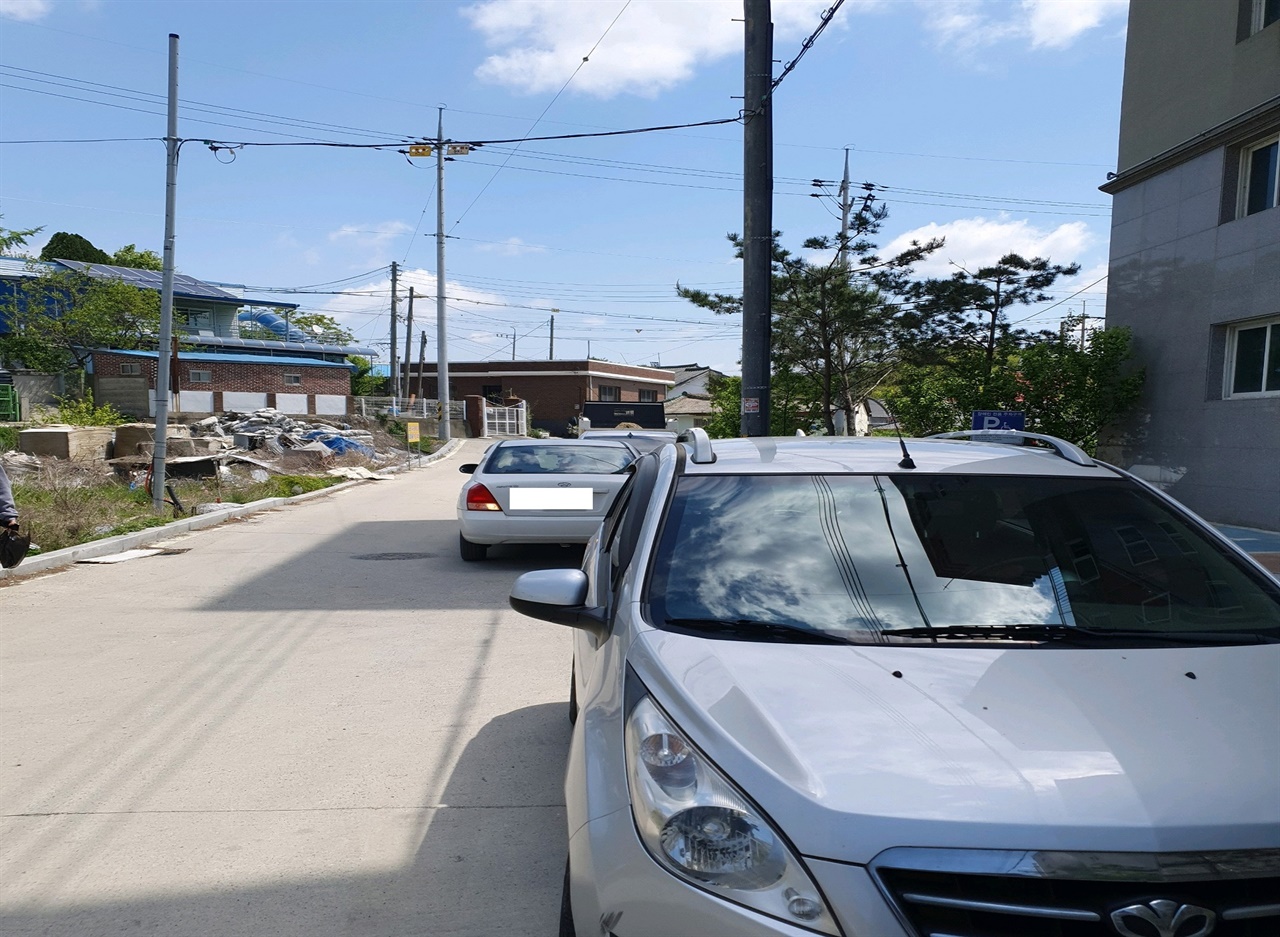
(999, 420)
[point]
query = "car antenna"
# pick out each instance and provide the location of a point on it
(906, 461)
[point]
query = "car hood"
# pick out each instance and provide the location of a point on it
(852, 750)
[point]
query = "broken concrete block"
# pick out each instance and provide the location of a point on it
(76, 443)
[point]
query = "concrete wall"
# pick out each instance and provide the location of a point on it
(1189, 67)
(1179, 277)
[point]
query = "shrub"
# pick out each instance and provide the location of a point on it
(81, 412)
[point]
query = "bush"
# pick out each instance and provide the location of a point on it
(8, 438)
(81, 412)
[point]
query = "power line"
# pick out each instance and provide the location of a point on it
(586, 58)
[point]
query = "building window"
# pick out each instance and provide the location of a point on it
(610, 394)
(200, 377)
(1265, 12)
(293, 378)
(1259, 176)
(648, 396)
(129, 367)
(1253, 366)
(491, 392)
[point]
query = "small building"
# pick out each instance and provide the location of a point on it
(687, 411)
(553, 390)
(1195, 253)
(225, 360)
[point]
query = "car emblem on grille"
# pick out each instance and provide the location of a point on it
(1169, 918)
(564, 484)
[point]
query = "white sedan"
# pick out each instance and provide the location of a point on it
(539, 491)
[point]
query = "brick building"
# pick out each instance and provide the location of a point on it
(554, 390)
(205, 382)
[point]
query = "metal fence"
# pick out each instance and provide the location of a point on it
(399, 406)
(505, 421)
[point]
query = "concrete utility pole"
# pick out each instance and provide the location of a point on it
(163, 358)
(408, 343)
(395, 314)
(442, 339)
(844, 213)
(551, 349)
(422, 358)
(757, 215)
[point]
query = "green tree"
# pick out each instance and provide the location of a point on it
(58, 318)
(834, 330)
(961, 323)
(1073, 392)
(130, 256)
(64, 246)
(12, 241)
(363, 382)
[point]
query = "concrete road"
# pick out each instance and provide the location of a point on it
(318, 721)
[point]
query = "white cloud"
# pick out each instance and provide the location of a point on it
(25, 10)
(654, 45)
(969, 26)
(512, 247)
(369, 245)
(975, 242)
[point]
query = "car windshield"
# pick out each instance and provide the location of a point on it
(559, 460)
(917, 558)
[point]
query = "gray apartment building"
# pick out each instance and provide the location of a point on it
(1195, 252)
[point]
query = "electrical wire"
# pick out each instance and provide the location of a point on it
(586, 58)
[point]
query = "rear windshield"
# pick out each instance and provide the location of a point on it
(859, 556)
(559, 460)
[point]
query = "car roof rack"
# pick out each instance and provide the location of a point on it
(1066, 450)
(697, 438)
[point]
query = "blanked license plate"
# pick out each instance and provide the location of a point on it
(551, 499)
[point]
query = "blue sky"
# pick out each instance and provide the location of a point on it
(988, 122)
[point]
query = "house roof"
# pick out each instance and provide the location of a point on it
(185, 287)
(204, 356)
(689, 405)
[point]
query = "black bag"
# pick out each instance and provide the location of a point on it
(13, 547)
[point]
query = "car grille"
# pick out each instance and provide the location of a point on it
(1079, 899)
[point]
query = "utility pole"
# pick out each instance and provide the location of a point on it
(442, 338)
(514, 335)
(408, 343)
(757, 214)
(395, 314)
(164, 353)
(844, 213)
(551, 349)
(422, 357)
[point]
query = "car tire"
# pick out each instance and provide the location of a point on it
(471, 551)
(573, 694)
(566, 906)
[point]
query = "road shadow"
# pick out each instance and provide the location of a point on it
(386, 566)
(489, 861)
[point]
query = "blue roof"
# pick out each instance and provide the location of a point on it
(236, 359)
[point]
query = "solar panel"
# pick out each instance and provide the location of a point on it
(153, 280)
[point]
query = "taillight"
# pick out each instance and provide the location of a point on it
(480, 498)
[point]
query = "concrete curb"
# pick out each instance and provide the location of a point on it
(111, 545)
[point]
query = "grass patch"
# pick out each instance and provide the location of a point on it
(66, 503)
(8, 438)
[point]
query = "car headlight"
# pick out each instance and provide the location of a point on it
(697, 824)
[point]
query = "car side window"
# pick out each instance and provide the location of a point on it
(625, 536)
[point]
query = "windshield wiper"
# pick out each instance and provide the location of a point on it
(746, 629)
(1075, 634)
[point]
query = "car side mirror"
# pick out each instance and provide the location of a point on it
(467, 468)
(557, 595)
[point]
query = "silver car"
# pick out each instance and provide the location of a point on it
(847, 687)
(539, 491)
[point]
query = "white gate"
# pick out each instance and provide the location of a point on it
(505, 421)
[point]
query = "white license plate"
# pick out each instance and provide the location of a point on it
(551, 499)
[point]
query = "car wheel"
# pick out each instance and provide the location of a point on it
(471, 551)
(566, 906)
(573, 694)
